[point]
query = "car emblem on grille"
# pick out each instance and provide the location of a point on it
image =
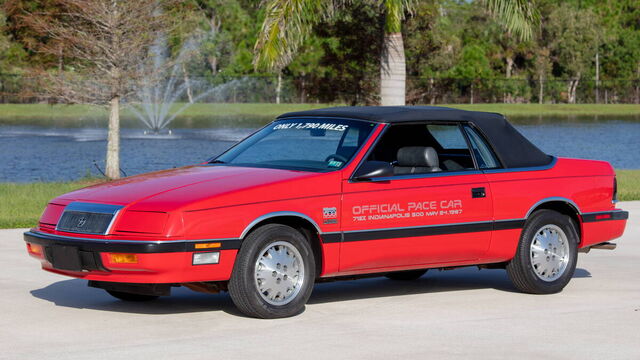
(81, 222)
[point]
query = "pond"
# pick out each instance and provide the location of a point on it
(41, 153)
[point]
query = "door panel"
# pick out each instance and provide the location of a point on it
(424, 219)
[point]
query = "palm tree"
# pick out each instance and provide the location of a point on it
(288, 22)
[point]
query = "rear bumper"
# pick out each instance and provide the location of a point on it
(605, 216)
(160, 261)
(599, 227)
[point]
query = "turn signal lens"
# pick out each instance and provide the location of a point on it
(123, 258)
(34, 248)
(208, 245)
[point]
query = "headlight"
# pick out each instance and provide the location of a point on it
(146, 222)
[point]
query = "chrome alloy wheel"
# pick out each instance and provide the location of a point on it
(550, 252)
(279, 273)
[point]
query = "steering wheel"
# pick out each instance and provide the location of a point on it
(336, 157)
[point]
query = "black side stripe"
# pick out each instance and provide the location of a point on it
(456, 228)
(508, 224)
(423, 231)
(332, 237)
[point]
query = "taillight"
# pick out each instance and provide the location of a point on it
(615, 190)
(35, 249)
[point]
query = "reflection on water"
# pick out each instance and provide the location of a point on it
(32, 153)
(49, 154)
(615, 142)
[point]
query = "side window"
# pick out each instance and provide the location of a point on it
(448, 136)
(423, 148)
(485, 157)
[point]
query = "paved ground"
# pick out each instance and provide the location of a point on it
(463, 313)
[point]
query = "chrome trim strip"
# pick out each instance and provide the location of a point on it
(603, 212)
(553, 162)
(419, 176)
(553, 198)
(113, 220)
(63, 237)
(92, 207)
(276, 214)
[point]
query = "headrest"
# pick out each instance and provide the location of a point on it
(418, 156)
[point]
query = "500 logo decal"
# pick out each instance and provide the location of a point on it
(411, 209)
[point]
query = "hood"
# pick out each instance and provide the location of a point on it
(173, 189)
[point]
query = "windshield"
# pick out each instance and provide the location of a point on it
(301, 144)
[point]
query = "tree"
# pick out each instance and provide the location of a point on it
(574, 39)
(11, 54)
(288, 22)
(106, 44)
(472, 68)
(225, 26)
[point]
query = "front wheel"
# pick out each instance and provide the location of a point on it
(547, 254)
(274, 273)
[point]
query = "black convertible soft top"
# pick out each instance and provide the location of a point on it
(512, 147)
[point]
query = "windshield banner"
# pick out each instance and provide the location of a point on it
(319, 126)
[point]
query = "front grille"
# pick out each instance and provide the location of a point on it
(87, 218)
(84, 222)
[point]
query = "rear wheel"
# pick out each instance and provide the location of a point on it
(547, 254)
(274, 273)
(131, 297)
(406, 275)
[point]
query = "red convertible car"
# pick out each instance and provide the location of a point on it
(337, 192)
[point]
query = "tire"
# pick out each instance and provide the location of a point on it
(260, 292)
(406, 275)
(547, 254)
(131, 297)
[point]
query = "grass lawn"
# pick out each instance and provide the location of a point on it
(194, 116)
(628, 184)
(21, 204)
(555, 109)
(208, 115)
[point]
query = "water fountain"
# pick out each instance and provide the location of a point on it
(156, 102)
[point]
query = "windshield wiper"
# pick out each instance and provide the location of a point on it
(217, 162)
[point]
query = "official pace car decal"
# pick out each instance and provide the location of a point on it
(404, 210)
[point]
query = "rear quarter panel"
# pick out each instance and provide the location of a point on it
(586, 183)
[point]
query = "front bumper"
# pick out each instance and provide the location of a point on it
(158, 261)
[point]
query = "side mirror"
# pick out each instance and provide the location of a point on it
(373, 169)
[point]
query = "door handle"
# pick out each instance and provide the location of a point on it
(478, 192)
